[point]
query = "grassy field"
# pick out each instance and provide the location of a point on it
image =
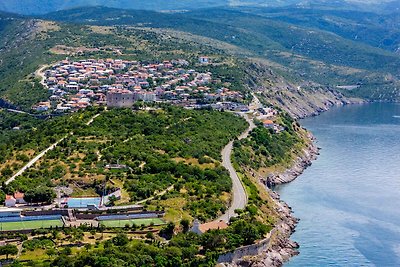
(8, 226)
(138, 222)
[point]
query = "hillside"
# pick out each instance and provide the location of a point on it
(30, 7)
(165, 160)
(29, 44)
(379, 30)
(304, 53)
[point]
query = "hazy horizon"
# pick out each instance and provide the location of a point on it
(36, 7)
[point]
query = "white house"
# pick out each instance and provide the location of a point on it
(10, 201)
(204, 60)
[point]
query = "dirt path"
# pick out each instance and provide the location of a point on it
(41, 154)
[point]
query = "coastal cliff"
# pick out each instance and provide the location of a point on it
(300, 163)
(300, 99)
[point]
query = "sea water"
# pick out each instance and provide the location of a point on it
(348, 201)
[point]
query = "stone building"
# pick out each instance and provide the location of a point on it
(120, 98)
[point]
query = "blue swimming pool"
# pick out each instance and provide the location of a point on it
(83, 202)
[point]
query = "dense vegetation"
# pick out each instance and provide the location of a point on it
(266, 148)
(168, 157)
(160, 147)
(157, 149)
(375, 29)
(121, 249)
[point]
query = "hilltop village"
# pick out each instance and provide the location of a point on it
(74, 85)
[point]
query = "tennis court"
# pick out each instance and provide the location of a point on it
(138, 222)
(83, 202)
(27, 225)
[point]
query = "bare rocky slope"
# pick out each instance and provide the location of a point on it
(299, 98)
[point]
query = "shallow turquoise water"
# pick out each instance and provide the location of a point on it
(348, 201)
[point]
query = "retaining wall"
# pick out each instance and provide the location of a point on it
(250, 250)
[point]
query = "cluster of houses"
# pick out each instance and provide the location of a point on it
(267, 116)
(120, 83)
(13, 200)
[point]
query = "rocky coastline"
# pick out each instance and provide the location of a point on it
(281, 248)
(302, 162)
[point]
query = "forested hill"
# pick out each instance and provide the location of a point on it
(307, 53)
(379, 30)
(46, 6)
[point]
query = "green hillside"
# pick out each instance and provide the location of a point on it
(379, 30)
(46, 6)
(306, 53)
(29, 44)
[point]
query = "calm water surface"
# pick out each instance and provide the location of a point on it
(348, 201)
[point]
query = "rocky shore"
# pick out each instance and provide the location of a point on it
(281, 248)
(302, 162)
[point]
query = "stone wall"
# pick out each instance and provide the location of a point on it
(250, 250)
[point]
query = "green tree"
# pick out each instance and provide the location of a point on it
(42, 194)
(120, 240)
(8, 250)
(168, 231)
(111, 200)
(185, 223)
(51, 252)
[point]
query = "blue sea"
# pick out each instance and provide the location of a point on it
(348, 201)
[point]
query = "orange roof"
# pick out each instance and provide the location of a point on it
(8, 197)
(19, 195)
(268, 122)
(212, 226)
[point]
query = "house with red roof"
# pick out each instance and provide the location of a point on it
(10, 201)
(19, 197)
(202, 228)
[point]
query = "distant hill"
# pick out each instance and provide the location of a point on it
(30, 7)
(379, 30)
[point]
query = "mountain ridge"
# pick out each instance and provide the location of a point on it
(36, 7)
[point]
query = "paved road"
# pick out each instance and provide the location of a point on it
(239, 194)
(41, 154)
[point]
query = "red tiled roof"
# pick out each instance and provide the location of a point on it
(212, 226)
(19, 195)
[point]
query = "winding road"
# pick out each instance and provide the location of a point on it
(239, 194)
